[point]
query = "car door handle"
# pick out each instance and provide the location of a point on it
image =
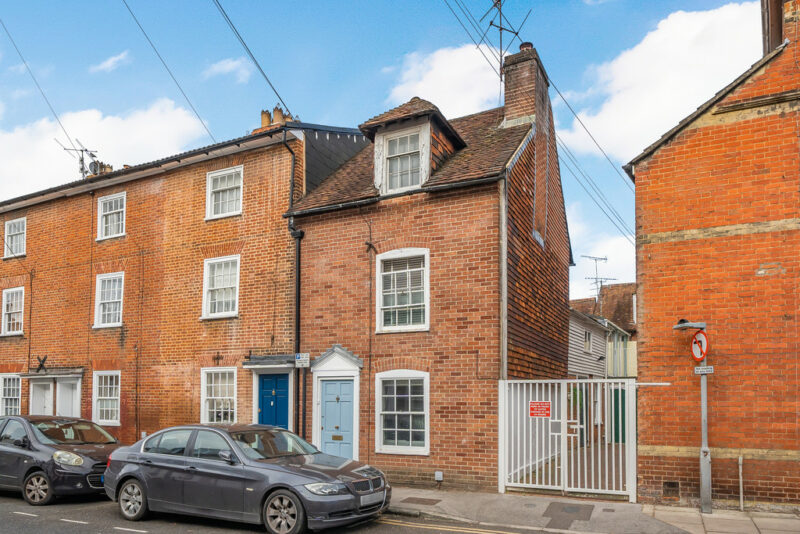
(147, 462)
(191, 468)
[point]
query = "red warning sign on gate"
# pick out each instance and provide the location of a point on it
(540, 409)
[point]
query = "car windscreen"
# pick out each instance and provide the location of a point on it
(261, 444)
(57, 432)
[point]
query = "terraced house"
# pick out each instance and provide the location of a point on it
(434, 265)
(417, 260)
(136, 297)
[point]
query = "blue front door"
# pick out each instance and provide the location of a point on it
(273, 403)
(337, 417)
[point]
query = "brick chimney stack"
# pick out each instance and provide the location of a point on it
(779, 20)
(525, 80)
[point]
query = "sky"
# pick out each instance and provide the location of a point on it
(630, 69)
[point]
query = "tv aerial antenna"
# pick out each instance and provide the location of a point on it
(502, 24)
(94, 166)
(597, 279)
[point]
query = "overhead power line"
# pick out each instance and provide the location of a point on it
(593, 191)
(44, 96)
(470, 36)
(249, 53)
(166, 67)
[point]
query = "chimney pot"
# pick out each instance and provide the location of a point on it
(266, 118)
(527, 45)
(277, 115)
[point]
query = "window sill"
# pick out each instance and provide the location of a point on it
(106, 238)
(102, 326)
(411, 451)
(226, 216)
(221, 316)
(402, 330)
(400, 191)
(14, 257)
(108, 423)
(13, 334)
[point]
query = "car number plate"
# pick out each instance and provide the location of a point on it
(372, 498)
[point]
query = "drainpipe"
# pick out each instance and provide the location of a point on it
(298, 236)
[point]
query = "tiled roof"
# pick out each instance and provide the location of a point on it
(585, 306)
(415, 107)
(616, 305)
(488, 149)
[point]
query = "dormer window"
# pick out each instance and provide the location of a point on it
(402, 157)
(412, 141)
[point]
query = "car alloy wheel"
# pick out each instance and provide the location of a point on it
(132, 502)
(37, 489)
(283, 513)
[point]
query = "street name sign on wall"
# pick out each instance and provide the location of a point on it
(540, 409)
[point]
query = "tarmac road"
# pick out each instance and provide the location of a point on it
(99, 515)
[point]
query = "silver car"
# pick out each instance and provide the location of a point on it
(250, 473)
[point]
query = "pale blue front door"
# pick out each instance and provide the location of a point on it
(336, 416)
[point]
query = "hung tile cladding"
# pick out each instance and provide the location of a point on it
(135, 297)
(434, 263)
(718, 236)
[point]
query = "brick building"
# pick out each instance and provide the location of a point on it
(150, 296)
(435, 262)
(718, 235)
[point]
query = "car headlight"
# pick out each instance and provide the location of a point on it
(67, 458)
(324, 488)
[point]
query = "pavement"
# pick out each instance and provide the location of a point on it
(554, 513)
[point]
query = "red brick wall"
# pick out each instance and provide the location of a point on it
(162, 256)
(737, 168)
(461, 349)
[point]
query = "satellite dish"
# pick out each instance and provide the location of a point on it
(94, 167)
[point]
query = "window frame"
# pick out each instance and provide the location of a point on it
(409, 374)
(394, 255)
(3, 377)
(95, 415)
(381, 158)
(203, 382)
(206, 315)
(587, 340)
(98, 285)
(3, 331)
(209, 206)
(100, 214)
(6, 249)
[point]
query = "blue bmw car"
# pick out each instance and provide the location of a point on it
(250, 473)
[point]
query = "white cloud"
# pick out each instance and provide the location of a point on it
(111, 63)
(457, 80)
(587, 240)
(679, 65)
(33, 161)
(239, 67)
(19, 68)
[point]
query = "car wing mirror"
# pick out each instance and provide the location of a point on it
(227, 456)
(23, 443)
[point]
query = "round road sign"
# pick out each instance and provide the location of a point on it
(699, 346)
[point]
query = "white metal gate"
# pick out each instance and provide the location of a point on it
(569, 435)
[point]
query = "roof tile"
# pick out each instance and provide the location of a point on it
(488, 149)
